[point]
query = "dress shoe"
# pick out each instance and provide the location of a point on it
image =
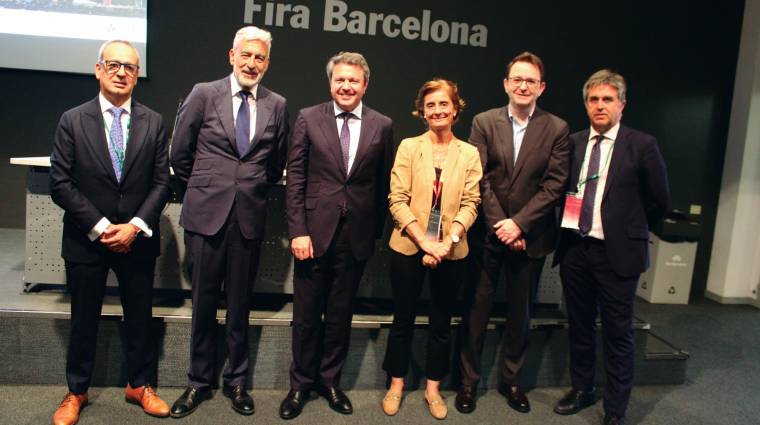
(68, 411)
(391, 402)
(242, 402)
(338, 400)
(293, 404)
(465, 401)
(574, 401)
(612, 420)
(146, 397)
(189, 401)
(516, 399)
(437, 406)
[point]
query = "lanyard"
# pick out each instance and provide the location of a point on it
(603, 167)
(119, 152)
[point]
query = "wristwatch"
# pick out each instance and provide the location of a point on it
(454, 238)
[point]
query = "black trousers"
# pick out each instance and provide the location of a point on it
(522, 274)
(407, 277)
(591, 287)
(230, 258)
(324, 289)
(87, 284)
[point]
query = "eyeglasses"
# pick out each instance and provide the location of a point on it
(518, 81)
(112, 67)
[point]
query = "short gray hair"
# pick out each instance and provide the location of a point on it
(605, 76)
(110, 42)
(252, 33)
(348, 58)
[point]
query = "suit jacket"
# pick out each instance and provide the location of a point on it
(528, 190)
(83, 182)
(635, 198)
(318, 185)
(411, 196)
(205, 158)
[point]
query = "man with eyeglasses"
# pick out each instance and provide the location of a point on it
(228, 149)
(338, 179)
(110, 174)
(617, 191)
(524, 152)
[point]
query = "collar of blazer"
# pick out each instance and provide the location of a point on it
(223, 105)
(92, 123)
(426, 155)
(330, 132)
(619, 151)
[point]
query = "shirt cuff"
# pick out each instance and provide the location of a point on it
(98, 229)
(146, 231)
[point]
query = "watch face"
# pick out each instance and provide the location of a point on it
(455, 238)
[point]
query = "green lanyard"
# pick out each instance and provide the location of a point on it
(595, 176)
(119, 152)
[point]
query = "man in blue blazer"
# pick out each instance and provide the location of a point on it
(618, 190)
(228, 149)
(338, 180)
(109, 172)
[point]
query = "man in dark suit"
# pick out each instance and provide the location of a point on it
(338, 170)
(524, 153)
(110, 174)
(619, 190)
(228, 149)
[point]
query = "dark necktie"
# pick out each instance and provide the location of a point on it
(345, 138)
(589, 194)
(243, 125)
(116, 147)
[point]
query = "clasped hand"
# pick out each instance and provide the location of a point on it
(119, 237)
(435, 252)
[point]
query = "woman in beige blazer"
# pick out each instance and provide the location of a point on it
(433, 200)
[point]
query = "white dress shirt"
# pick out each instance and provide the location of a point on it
(605, 155)
(354, 127)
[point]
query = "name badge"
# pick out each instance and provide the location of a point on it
(572, 210)
(433, 232)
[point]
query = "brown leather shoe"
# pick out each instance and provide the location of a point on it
(68, 411)
(146, 397)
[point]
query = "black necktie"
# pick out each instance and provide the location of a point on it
(243, 125)
(345, 138)
(589, 194)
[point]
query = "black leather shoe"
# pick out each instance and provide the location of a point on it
(242, 402)
(293, 403)
(575, 401)
(338, 400)
(612, 420)
(189, 401)
(465, 401)
(516, 399)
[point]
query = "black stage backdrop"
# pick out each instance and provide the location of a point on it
(679, 58)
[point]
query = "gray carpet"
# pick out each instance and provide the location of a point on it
(721, 387)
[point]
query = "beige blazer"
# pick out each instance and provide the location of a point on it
(411, 195)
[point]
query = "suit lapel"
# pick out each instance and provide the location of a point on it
(579, 151)
(619, 150)
(532, 134)
(223, 105)
(94, 130)
(136, 139)
(330, 133)
(263, 116)
(507, 147)
(366, 136)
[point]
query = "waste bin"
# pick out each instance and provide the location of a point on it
(673, 249)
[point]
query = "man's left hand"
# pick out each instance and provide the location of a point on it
(507, 231)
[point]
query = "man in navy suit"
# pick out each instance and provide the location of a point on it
(618, 190)
(109, 172)
(228, 149)
(338, 179)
